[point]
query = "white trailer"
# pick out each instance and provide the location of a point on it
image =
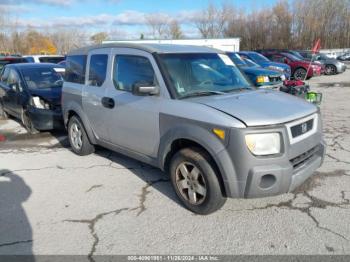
(224, 44)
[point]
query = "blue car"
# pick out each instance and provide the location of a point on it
(258, 76)
(32, 93)
(266, 63)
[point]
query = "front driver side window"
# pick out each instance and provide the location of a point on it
(5, 75)
(129, 70)
(13, 79)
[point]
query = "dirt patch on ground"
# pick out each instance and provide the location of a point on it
(315, 180)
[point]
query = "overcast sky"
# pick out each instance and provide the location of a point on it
(125, 17)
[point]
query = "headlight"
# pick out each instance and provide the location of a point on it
(283, 77)
(262, 79)
(39, 103)
(264, 144)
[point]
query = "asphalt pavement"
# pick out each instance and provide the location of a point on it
(55, 202)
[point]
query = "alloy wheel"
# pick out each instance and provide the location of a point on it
(190, 183)
(300, 74)
(76, 136)
(330, 70)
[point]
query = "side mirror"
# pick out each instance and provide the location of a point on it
(286, 60)
(14, 87)
(144, 89)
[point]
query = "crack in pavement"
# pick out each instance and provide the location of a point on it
(314, 201)
(337, 159)
(15, 243)
(65, 168)
(93, 187)
(144, 193)
(91, 224)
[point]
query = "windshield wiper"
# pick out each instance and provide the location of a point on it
(240, 89)
(202, 93)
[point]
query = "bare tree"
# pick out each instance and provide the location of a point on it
(158, 24)
(212, 21)
(174, 30)
(98, 38)
(68, 39)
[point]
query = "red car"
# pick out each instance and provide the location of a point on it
(300, 68)
(4, 60)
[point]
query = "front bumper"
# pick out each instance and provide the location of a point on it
(253, 176)
(341, 68)
(271, 85)
(43, 119)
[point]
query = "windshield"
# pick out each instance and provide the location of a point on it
(258, 57)
(203, 74)
(250, 63)
(292, 57)
(40, 78)
(323, 56)
(296, 54)
(237, 59)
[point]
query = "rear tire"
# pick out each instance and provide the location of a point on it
(195, 181)
(78, 138)
(3, 113)
(299, 74)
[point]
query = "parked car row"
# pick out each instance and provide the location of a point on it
(301, 65)
(188, 110)
(344, 57)
(15, 59)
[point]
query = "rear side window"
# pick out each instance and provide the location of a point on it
(98, 69)
(279, 59)
(75, 69)
(129, 70)
(30, 59)
(51, 59)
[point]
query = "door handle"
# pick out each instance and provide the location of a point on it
(108, 102)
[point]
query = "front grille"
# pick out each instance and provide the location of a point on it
(302, 128)
(303, 158)
(275, 79)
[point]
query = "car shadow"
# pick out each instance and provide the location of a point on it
(152, 176)
(16, 237)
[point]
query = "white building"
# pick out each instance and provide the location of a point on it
(224, 44)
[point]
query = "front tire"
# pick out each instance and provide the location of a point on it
(28, 124)
(195, 181)
(299, 74)
(78, 138)
(3, 113)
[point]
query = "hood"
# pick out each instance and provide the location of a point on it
(330, 61)
(52, 95)
(267, 64)
(259, 107)
(257, 71)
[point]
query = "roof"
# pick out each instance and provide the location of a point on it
(11, 58)
(34, 65)
(247, 52)
(150, 48)
(43, 56)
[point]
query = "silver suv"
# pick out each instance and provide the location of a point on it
(189, 111)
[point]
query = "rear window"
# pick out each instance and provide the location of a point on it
(5, 61)
(75, 69)
(50, 59)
